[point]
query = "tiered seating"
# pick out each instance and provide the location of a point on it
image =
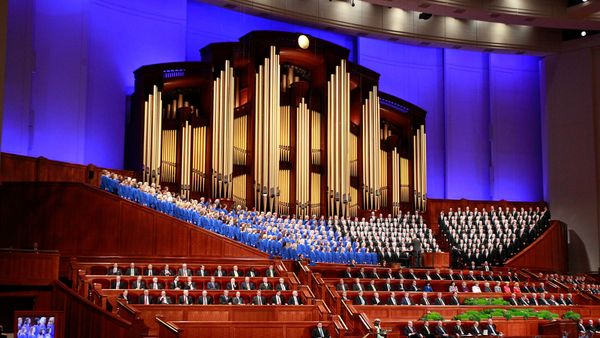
(491, 236)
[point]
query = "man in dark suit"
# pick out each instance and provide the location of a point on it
(189, 284)
(491, 328)
(220, 272)
(388, 285)
(412, 275)
(265, 285)
(347, 273)
(251, 272)
(271, 272)
(295, 299)
(376, 300)
(541, 288)
(155, 285)
(416, 252)
(371, 286)
(439, 330)
(118, 284)
(357, 285)
(361, 273)
(238, 300)
(475, 330)
(360, 299)
(439, 300)
(523, 300)
(213, 285)
(513, 300)
(281, 285)
(410, 331)
(202, 272)
(458, 330)
(205, 299)
(124, 296)
(437, 275)
(581, 329)
(184, 271)
(149, 271)
(454, 299)
(115, 270)
(533, 300)
(320, 331)
(166, 271)
(426, 331)
(392, 299)
(235, 272)
(277, 299)
(425, 299)
(186, 299)
(224, 299)
(232, 285)
(175, 284)
(164, 299)
(406, 300)
(138, 284)
(132, 270)
(146, 298)
(341, 286)
(247, 284)
(259, 299)
(374, 274)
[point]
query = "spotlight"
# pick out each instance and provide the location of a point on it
(425, 16)
(583, 33)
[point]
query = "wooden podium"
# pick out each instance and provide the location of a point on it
(436, 260)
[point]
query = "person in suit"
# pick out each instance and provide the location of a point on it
(371, 286)
(175, 284)
(265, 285)
(416, 252)
(569, 299)
(251, 272)
(235, 272)
(124, 296)
(513, 300)
(425, 299)
(224, 299)
(259, 299)
(413, 286)
(347, 273)
(360, 299)
(458, 330)
(475, 330)
(212, 284)
(237, 300)
(410, 331)
(295, 299)
(145, 298)
(205, 299)
(401, 285)
(406, 300)
(149, 271)
(392, 299)
(387, 286)
(247, 284)
(426, 331)
(271, 272)
(464, 287)
(379, 331)
(454, 300)
(155, 285)
(376, 300)
(357, 285)
(541, 288)
(166, 271)
(184, 271)
(374, 274)
(533, 300)
(220, 272)
(412, 275)
(281, 285)
(341, 286)
(118, 284)
(523, 300)
(591, 329)
(361, 273)
(185, 298)
(471, 276)
(138, 284)
(439, 300)
(201, 271)
(189, 284)
(491, 328)
(115, 270)
(132, 270)
(164, 299)
(320, 331)
(277, 298)
(439, 330)
(232, 285)
(542, 299)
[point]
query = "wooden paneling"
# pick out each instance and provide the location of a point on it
(81, 220)
(436, 259)
(28, 268)
(548, 253)
(282, 329)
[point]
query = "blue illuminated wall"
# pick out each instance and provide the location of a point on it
(71, 62)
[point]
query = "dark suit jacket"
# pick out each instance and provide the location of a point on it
(239, 273)
(404, 301)
(202, 273)
(270, 273)
(439, 330)
(166, 300)
(147, 272)
(200, 300)
(237, 301)
(134, 284)
(387, 287)
(141, 299)
(356, 288)
(151, 285)
(339, 287)
(213, 286)
(230, 287)
(122, 284)
(376, 301)
(262, 286)
(181, 271)
(492, 330)
(439, 301)
(410, 332)
(370, 288)
(346, 274)
(317, 334)
(175, 285)
(112, 272)
(453, 301)
(274, 300)
(125, 299)
(252, 273)
(187, 286)
(476, 331)
(425, 301)
(512, 301)
(389, 301)
(427, 332)
(224, 300)
(291, 300)
(360, 300)
(279, 287)
(263, 300)
(164, 272)
(223, 273)
(190, 300)
(247, 286)
(459, 330)
(136, 272)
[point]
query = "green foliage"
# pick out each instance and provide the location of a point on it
(507, 314)
(432, 316)
(486, 301)
(571, 315)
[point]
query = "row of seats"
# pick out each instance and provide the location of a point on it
(184, 270)
(187, 297)
(193, 283)
(442, 285)
(437, 274)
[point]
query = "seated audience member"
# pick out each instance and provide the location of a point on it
(410, 331)
(155, 285)
(552, 301)
(205, 299)
(118, 284)
(235, 272)
(388, 285)
(452, 287)
(523, 300)
(124, 296)
(533, 301)
(163, 299)
(247, 284)
(271, 272)
(428, 287)
(224, 299)
(498, 287)
(374, 274)
(185, 298)
(406, 300)
(427, 331)
(513, 300)
(281, 285)
(132, 270)
(320, 331)
(146, 298)
(115, 270)
(202, 272)
(471, 276)
(259, 299)
(439, 300)
(371, 286)
(491, 328)
(265, 285)
(189, 284)
(344, 296)
(506, 288)
(184, 271)
(437, 275)
(166, 271)
(581, 329)
(277, 299)
(516, 288)
(149, 271)
(542, 299)
(590, 327)
(424, 299)
(295, 299)
(347, 273)
(175, 284)
(232, 285)
(357, 285)
(464, 287)
(458, 330)
(413, 286)
(412, 275)
(251, 272)
(454, 300)
(361, 273)
(238, 300)
(401, 285)
(392, 299)
(138, 284)
(541, 288)
(376, 300)
(569, 299)
(220, 272)
(486, 287)
(213, 284)
(476, 288)
(360, 299)
(439, 330)
(475, 330)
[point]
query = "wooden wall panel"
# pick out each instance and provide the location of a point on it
(28, 268)
(136, 233)
(548, 253)
(206, 247)
(17, 168)
(295, 329)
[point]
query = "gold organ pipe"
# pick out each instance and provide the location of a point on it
(145, 145)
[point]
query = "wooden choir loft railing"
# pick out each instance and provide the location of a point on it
(18, 168)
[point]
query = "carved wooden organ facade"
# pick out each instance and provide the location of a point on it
(277, 127)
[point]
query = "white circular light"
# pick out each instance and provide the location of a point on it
(583, 33)
(303, 41)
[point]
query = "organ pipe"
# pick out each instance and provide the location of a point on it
(283, 206)
(267, 133)
(240, 134)
(186, 147)
(383, 178)
(302, 159)
(152, 137)
(420, 173)
(371, 140)
(239, 189)
(199, 159)
(338, 132)
(169, 156)
(223, 108)
(315, 138)
(396, 179)
(353, 155)
(315, 193)
(284, 130)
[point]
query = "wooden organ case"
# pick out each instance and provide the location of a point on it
(279, 122)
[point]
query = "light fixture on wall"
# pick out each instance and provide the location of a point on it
(583, 33)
